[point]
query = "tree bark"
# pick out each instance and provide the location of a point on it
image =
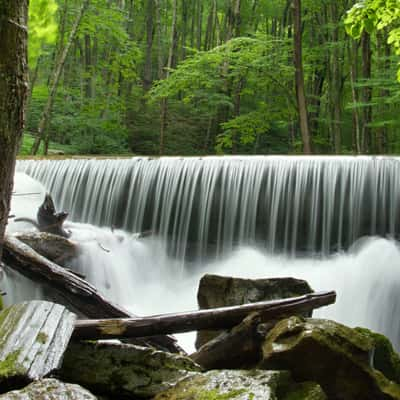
(13, 96)
(217, 318)
(299, 78)
(46, 115)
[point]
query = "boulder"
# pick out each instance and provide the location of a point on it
(124, 370)
(49, 389)
(219, 291)
(242, 385)
(338, 358)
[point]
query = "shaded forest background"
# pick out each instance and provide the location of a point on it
(197, 77)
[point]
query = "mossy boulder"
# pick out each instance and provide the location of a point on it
(385, 357)
(220, 291)
(337, 357)
(242, 385)
(124, 370)
(49, 389)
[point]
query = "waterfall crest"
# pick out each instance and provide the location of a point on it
(211, 205)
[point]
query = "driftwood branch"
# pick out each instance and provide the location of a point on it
(218, 318)
(72, 289)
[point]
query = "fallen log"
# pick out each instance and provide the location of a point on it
(55, 248)
(73, 290)
(219, 318)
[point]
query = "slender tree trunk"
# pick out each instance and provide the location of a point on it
(184, 28)
(46, 115)
(170, 64)
(366, 93)
(299, 78)
(353, 56)
(199, 23)
(13, 95)
(336, 84)
(383, 49)
(148, 67)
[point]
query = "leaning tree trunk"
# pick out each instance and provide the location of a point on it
(299, 77)
(13, 95)
(46, 115)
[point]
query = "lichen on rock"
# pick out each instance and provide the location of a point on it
(123, 369)
(242, 385)
(49, 389)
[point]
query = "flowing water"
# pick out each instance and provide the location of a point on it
(331, 221)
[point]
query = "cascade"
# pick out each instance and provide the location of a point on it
(209, 206)
(255, 213)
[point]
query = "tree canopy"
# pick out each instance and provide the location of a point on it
(198, 77)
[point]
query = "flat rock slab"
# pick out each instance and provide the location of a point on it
(49, 389)
(124, 370)
(33, 338)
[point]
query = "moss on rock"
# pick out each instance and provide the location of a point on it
(305, 391)
(229, 384)
(124, 370)
(385, 358)
(242, 385)
(333, 355)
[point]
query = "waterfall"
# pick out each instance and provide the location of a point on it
(256, 214)
(209, 206)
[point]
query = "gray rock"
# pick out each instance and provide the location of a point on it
(219, 291)
(122, 369)
(49, 389)
(242, 385)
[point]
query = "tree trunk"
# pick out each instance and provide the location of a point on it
(13, 95)
(46, 115)
(366, 93)
(299, 78)
(217, 318)
(170, 64)
(148, 67)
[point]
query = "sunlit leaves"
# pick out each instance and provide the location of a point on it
(42, 27)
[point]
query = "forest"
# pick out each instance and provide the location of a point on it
(199, 77)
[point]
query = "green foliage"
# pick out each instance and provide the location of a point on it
(376, 15)
(42, 27)
(231, 89)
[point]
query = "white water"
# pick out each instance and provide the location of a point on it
(137, 273)
(203, 207)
